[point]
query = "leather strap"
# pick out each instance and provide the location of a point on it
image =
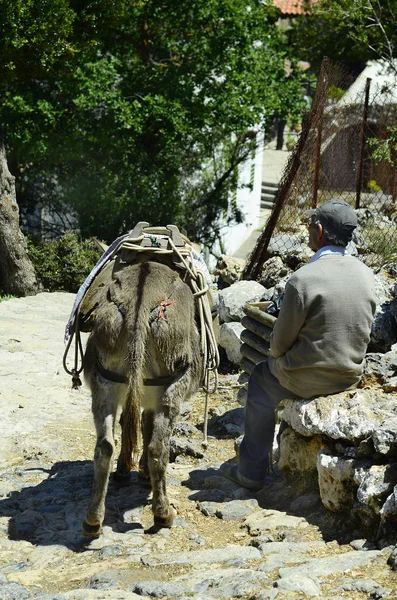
(117, 378)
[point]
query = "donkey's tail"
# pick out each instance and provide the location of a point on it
(138, 328)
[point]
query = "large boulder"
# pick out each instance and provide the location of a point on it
(233, 299)
(349, 442)
(364, 420)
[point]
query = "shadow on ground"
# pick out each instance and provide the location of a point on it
(278, 494)
(51, 511)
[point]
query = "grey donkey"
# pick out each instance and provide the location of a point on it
(143, 353)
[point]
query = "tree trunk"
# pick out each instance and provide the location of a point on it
(17, 274)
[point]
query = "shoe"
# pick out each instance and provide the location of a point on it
(232, 472)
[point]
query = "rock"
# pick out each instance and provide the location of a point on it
(236, 509)
(46, 477)
(379, 368)
(302, 584)
(383, 288)
(383, 331)
(298, 454)
(375, 484)
(111, 550)
(14, 591)
(336, 481)
(181, 446)
(362, 545)
(185, 428)
(232, 422)
(352, 416)
(215, 555)
(208, 508)
(233, 299)
(219, 583)
(242, 396)
(278, 554)
(228, 511)
(293, 248)
(267, 520)
(366, 586)
(265, 595)
(229, 269)
(272, 271)
(321, 567)
(305, 502)
(392, 560)
(115, 594)
(230, 341)
(388, 512)
(103, 580)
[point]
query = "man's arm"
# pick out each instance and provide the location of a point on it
(289, 322)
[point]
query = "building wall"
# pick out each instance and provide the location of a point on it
(248, 201)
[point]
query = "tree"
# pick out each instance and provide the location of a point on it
(127, 111)
(17, 275)
(348, 32)
(27, 50)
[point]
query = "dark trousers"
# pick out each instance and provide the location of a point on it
(264, 394)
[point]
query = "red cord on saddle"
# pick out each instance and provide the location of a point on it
(163, 305)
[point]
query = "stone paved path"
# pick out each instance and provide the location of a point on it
(226, 542)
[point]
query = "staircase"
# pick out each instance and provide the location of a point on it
(268, 194)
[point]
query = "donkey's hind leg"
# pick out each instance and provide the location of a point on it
(159, 447)
(158, 456)
(147, 432)
(104, 407)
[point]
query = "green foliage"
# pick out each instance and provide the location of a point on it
(127, 111)
(334, 93)
(385, 149)
(373, 186)
(63, 264)
(382, 244)
(347, 32)
(7, 297)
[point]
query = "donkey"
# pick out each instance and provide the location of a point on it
(143, 353)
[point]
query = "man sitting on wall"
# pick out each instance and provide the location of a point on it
(319, 340)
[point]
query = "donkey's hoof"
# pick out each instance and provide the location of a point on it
(91, 531)
(165, 521)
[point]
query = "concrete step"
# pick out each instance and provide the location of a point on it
(270, 184)
(267, 204)
(269, 197)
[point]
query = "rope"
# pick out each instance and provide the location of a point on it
(199, 287)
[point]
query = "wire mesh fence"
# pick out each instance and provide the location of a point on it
(345, 150)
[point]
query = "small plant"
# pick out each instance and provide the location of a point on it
(385, 149)
(373, 186)
(379, 244)
(290, 143)
(6, 297)
(335, 93)
(64, 263)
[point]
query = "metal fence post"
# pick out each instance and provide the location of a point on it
(323, 80)
(362, 143)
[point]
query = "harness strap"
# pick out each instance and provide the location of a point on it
(117, 378)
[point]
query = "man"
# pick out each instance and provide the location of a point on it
(320, 338)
